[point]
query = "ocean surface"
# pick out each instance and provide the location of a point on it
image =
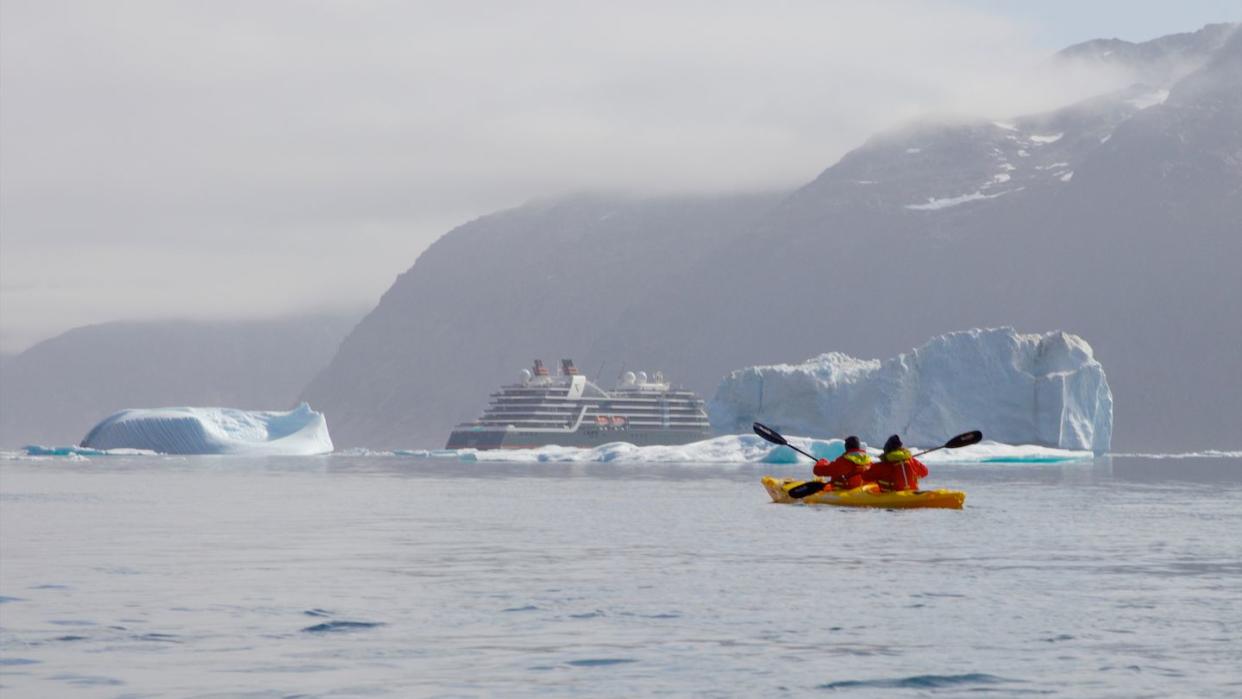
(378, 575)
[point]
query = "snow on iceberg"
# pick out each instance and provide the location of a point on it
(1017, 388)
(298, 432)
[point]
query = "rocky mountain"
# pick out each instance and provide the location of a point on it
(1118, 219)
(55, 391)
(1159, 61)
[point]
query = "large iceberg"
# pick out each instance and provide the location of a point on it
(298, 432)
(1018, 388)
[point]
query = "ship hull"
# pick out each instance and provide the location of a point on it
(585, 438)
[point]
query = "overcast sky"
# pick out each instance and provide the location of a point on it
(242, 159)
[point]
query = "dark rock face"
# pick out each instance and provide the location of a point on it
(1118, 219)
(55, 391)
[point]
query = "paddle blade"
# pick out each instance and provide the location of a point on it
(769, 434)
(804, 489)
(964, 440)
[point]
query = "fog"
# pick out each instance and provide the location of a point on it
(207, 160)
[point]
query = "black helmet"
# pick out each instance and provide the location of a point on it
(893, 443)
(852, 443)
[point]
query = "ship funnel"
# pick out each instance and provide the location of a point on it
(540, 369)
(568, 368)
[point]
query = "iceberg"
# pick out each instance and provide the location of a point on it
(1045, 390)
(298, 432)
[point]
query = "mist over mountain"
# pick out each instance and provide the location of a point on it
(1117, 218)
(58, 389)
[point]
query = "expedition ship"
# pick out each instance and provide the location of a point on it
(568, 410)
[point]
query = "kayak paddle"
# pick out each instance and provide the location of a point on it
(775, 437)
(964, 439)
(802, 489)
(811, 487)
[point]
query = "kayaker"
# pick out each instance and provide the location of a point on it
(896, 469)
(846, 471)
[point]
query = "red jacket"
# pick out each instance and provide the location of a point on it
(897, 471)
(847, 470)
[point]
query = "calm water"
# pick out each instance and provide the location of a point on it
(382, 576)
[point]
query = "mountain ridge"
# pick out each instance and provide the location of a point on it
(53, 392)
(1062, 220)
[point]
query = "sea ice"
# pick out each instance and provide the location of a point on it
(741, 449)
(298, 432)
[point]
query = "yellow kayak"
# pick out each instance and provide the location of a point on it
(866, 496)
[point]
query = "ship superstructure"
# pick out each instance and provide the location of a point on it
(567, 409)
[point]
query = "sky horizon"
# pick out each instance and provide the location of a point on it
(169, 161)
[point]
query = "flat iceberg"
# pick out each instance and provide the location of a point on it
(298, 432)
(1045, 390)
(40, 450)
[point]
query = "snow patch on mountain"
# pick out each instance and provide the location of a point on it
(1052, 138)
(1017, 388)
(934, 204)
(1150, 99)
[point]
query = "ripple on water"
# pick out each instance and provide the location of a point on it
(600, 662)
(88, 680)
(918, 682)
(158, 637)
(339, 626)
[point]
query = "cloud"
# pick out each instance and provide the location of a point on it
(309, 140)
